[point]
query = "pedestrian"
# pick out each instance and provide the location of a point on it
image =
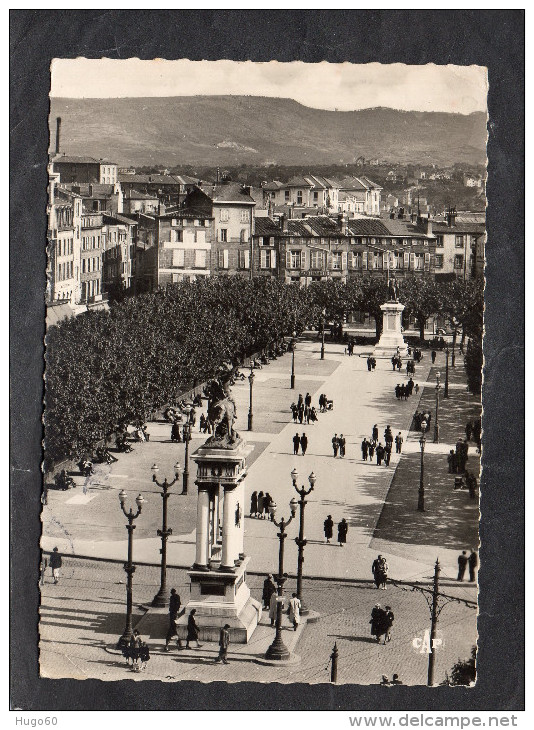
(410, 386)
(301, 413)
(267, 499)
(388, 435)
(394, 362)
(342, 530)
(416, 392)
(387, 453)
(303, 443)
(224, 641)
(175, 431)
(192, 417)
(300, 401)
(471, 481)
(402, 392)
(460, 460)
(144, 655)
(335, 445)
(390, 617)
(202, 423)
(375, 433)
(342, 444)
(395, 679)
(379, 569)
(268, 589)
(365, 449)
(321, 403)
(468, 430)
(377, 621)
(380, 451)
(254, 504)
(313, 415)
(398, 443)
(260, 505)
(56, 562)
(296, 443)
(295, 412)
(451, 460)
(373, 362)
(433, 356)
(193, 629)
(473, 564)
(328, 527)
(308, 400)
(294, 611)
(397, 391)
(372, 447)
(174, 614)
(462, 565)
(369, 364)
(273, 607)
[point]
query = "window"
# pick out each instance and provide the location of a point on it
(299, 197)
(295, 260)
(458, 261)
(223, 235)
(178, 258)
(243, 236)
(223, 259)
(286, 194)
(439, 261)
(315, 196)
(419, 261)
(439, 241)
(459, 241)
(265, 259)
(317, 260)
(336, 261)
(224, 215)
(200, 258)
(244, 216)
(356, 261)
(376, 260)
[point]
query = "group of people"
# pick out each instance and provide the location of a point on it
(136, 652)
(271, 601)
(457, 458)
(396, 362)
(380, 570)
(325, 404)
(415, 353)
(373, 446)
(342, 530)
(420, 418)
(404, 391)
(259, 505)
(473, 431)
(303, 411)
(349, 350)
(300, 441)
(339, 444)
(381, 622)
(371, 363)
(464, 561)
(193, 629)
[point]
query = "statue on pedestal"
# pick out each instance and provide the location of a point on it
(222, 410)
(393, 290)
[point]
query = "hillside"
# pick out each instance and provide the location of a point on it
(233, 130)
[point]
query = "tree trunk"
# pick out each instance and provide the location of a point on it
(454, 336)
(422, 322)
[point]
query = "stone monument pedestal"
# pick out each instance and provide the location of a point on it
(219, 591)
(391, 338)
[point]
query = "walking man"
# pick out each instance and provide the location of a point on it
(433, 356)
(387, 453)
(224, 640)
(328, 528)
(375, 432)
(296, 443)
(174, 610)
(294, 611)
(380, 451)
(390, 617)
(268, 589)
(342, 530)
(303, 443)
(462, 565)
(398, 443)
(365, 448)
(335, 444)
(56, 562)
(473, 564)
(342, 444)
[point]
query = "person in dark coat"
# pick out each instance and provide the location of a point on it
(261, 499)
(342, 530)
(451, 460)
(174, 611)
(380, 572)
(369, 364)
(300, 401)
(303, 443)
(365, 449)
(56, 561)
(473, 565)
(372, 447)
(388, 621)
(388, 435)
(328, 528)
(266, 503)
(254, 504)
(296, 443)
(387, 453)
(335, 444)
(380, 451)
(342, 444)
(375, 432)
(397, 391)
(224, 641)
(193, 629)
(175, 432)
(433, 356)
(268, 589)
(462, 565)
(377, 621)
(409, 386)
(301, 413)
(403, 392)
(468, 430)
(307, 400)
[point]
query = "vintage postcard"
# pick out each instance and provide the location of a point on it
(263, 434)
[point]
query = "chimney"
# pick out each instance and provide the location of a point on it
(90, 191)
(451, 217)
(283, 223)
(58, 134)
(428, 226)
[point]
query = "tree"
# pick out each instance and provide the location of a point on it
(373, 291)
(464, 672)
(421, 298)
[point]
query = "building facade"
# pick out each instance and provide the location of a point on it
(85, 170)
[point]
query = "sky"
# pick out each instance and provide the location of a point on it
(343, 86)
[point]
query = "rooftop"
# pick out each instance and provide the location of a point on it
(228, 193)
(74, 160)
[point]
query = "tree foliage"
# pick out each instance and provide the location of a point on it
(464, 672)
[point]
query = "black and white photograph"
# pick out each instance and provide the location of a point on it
(262, 413)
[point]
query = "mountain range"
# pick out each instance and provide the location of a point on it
(234, 130)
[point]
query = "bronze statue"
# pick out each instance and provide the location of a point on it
(221, 409)
(393, 290)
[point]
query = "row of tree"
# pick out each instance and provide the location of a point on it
(108, 367)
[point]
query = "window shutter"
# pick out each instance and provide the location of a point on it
(385, 259)
(344, 260)
(303, 259)
(427, 262)
(406, 260)
(225, 258)
(246, 259)
(364, 259)
(412, 261)
(271, 241)
(330, 261)
(288, 259)
(273, 259)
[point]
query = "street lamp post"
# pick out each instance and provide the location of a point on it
(301, 540)
(278, 649)
(293, 346)
(446, 390)
(251, 381)
(187, 439)
(323, 322)
(436, 421)
(129, 567)
(160, 599)
(422, 443)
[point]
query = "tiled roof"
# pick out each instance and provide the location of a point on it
(76, 160)
(92, 190)
(459, 228)
(298, 228)
(154, 179)
(119, 218)
(299, 182)
(265, 226)
(368, 227)
(323, 225)
(136, 195)
(229, 193)
(274, 185)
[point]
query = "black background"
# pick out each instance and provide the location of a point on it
(489, 38)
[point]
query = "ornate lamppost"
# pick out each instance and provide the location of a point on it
(301, 540)
(160, 599)
(278, 649)
(187, 439)
(251, 381)
(446, 390)
(436, 422)
(323, 322)
(293, 346)
(129, 567)
(422, 444)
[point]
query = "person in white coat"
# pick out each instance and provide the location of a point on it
(294, 611)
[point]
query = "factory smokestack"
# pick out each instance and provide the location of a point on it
(58, 134)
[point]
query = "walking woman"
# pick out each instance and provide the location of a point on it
(193, 629)
(342, 530)
(260, 505)
(254, 504)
